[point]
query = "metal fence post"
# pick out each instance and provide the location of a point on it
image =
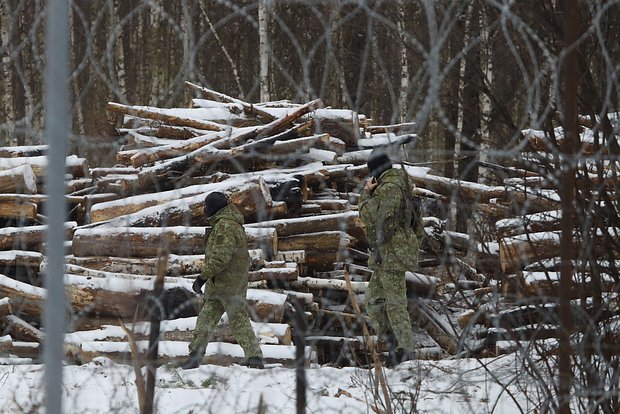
(56, 131)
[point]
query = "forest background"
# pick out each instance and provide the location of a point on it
(471, 74)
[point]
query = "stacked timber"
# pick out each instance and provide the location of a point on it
(527, 242)
(295, 172)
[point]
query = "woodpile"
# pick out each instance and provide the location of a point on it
(295, 172)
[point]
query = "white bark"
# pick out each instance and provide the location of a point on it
(6, 102)
(263, 48)
(404, 65)
(486, 65)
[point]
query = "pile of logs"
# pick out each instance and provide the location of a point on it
(295, 172)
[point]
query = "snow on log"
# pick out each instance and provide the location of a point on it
(240, 193)
(252, 197)
(25, 298)
(19, 179)
(5, 307)
(218, 353)
(146, 241)
(23, 210)
(281, 274)
(330, 241)
(248, 108)
(304, 283)
(20, 151)
(77, 167)
(21, 258)
(20, 329)
(6, 343)
(546, 284)
(348, 221)
(423, 285)
(145, 156)
(521, 250)
(181, 329)
(435, 324)
(29, 237)
(169, 116)
(531, 223)
(177, 264)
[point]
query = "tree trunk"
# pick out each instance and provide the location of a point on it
(264, 49)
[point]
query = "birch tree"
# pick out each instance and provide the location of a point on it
(264, 7)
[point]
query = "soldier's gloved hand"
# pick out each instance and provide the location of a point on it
(197, 286)
(377, 256)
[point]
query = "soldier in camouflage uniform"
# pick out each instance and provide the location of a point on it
(225, 276)
(387, 210)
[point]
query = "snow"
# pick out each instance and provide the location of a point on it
(447, 386)
(155, 199)
(26, 288)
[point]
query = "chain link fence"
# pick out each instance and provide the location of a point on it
(504, 114)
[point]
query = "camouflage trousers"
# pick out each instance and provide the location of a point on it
(386, 305)
(238, 318)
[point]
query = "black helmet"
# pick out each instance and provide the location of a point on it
(378, 162)
(214, 202)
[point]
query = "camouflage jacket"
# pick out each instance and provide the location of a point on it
(387, 214)
(226, 253)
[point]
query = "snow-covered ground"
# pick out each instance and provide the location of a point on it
(447, 386)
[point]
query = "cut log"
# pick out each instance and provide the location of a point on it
(145, 241)
(341, 123)
(178, 265)
(25, 299)
(121, 295)
(305, 283)
(295, 256)
(398, 129)
(252, 197)
(249, 109)
(325, 156)
(423, 285)
(99, 172)
(354, 157)
(21, 258)
(436, 325)
(165, 115)
(295, 146)
(6, 343)
(248, 197)
(348, 222)
(5, 307)
(23, 349)
(518, 251)
(280, 274)
(21, 151)
(20, 329)
(23, 210)
(212, 153)
(181, 329)
(30, 237)
(150, 155)
(20, 179)
(547, 284)
(331, 205)
(218, 353)
(332, 241)
(532, 223)
(77, 167)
